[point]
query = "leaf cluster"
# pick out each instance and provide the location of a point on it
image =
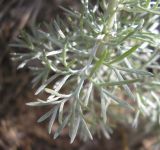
(92, 61)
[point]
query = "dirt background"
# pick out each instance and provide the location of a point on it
(18, 127)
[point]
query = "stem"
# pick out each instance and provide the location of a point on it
(111, 11)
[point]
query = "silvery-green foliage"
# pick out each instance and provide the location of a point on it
(93, 65)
